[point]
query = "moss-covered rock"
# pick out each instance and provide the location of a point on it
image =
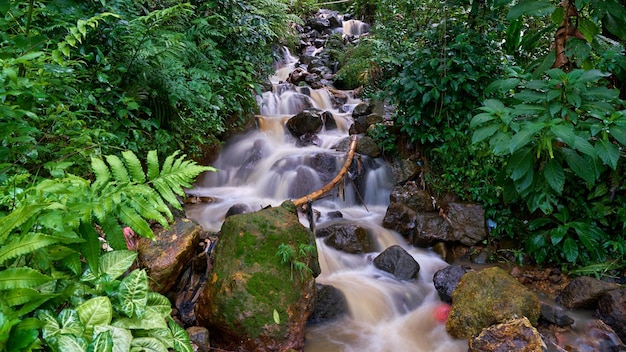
(249, 282)
(486, 297)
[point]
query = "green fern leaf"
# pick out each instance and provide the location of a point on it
(146, 209)
(119, 170)
(25, 244)
(130, 217)
(167, 164)
(101, 171)
(165, 191)
(23, 277)
(91, 247)
(153, 165)
(17, 218)
(134, 166)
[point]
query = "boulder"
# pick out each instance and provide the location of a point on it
(612, 311)
(348, 238)
(199, 338)
(420, 229)
(367, 146)
(555, 315)
(414, 197)
(165, 257)
(584, 292)
(446, 280)
(309, 120)
(513, 335)
(404, 170)
(398, 262)
(254, 300)
(330, 303)
(486, 297)
(467, 222)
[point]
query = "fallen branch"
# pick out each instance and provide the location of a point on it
(313, 196)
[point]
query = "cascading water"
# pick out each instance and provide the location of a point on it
(265, 167)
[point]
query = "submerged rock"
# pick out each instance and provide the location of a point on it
(486, 297)
(309, 120)
(398, 262)
(252, 300)
(348, 238)
(612, 310)
(514, 335)
(330, 303)
(165, 257)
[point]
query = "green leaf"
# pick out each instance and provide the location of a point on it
(554, 175)
(70, 323)
(570, 250)
(525, 136)
(608, 152)
(116, 263)
(133, 293)
(557, 234)
(150, 320)
(122, 337)
(520, 163)
(147, 344)
(102, 343)
(23, 277)
(153, 165)
(579, 165)
(276, 317)
(619, 133)
(481, 118)
(530, 8)
(565, 132)
(101, 171)
(68, 343)
(117, 167)
(135, 221)
(25, 244)
(96, 311)
(180, 336)
(158, 304)
(484, 132)
(17, 218)
(91, 247)
(134, 166)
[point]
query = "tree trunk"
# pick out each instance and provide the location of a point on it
(313, 196)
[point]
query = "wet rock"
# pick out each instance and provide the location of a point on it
(296, 76)
(325, 165)
(404, 170)
(594, 336)
(411, 195)
(306, 181)
(199, 338)
(514, 335)
(367, 146)
(308, 139)
(486, 297)
(329, 121)
(362, 109)
(307, 121)
(248, 283)
(467, 222)
(612, 310)
(256, 153)
(165, 257)
(238, 208)
(447, 279)
(334, 214)
(555, 315)
(330, 303)
(584, 292)
(420, 229)
(398, 262)
(318, 23)
(348, 238)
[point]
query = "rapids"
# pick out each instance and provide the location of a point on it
(265, 167)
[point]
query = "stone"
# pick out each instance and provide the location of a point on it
(199, 338)
(514, 335)
(486, 297)
(467, 222)
(367, 146)
(398, 262)
(165, 257)
(349, 238)
(584, 292)
(446, 280)
(404, 170)
(330, 303)
(555, 315)
(414, 197)
(309, 120)
(249, 282)
(612, 311)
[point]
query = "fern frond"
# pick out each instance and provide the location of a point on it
(17, 218)
(23, 295)
(153, 165)
(23, 277)
(25, 244)
(101, 171)
(134, 166)
(118, 169)
(142, 205)
(131, 218)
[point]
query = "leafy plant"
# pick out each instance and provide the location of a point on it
(54, 226)
(298, 261)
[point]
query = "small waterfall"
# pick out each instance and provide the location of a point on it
(265, 167)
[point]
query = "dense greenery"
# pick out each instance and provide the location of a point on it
(516, 105)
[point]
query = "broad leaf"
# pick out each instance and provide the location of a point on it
(147, 344)
(150, 320)
(180, 336)
(102, 343)
(484, 132)
(96, 311)
(122, 337)
(21, 296)
(579, 165)
(619, 133)
(25, 244)
(133, 293)
(525, 135)
(116, 263)
(530, 8)
(159, 304)
(68, 343)
(608, 152)
(570, 250)
(520, 163)
(554, 175)
(69, 323)
(557, 234)
(565, 132)
(23, 277)
(17, 218)
(91, 247)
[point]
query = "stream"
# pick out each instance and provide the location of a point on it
(266, 166)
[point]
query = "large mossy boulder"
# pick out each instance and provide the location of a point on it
(486, 297)
(253, 301)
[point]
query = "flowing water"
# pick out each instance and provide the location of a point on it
(265, 167)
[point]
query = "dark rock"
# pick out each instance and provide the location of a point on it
(398, 262)
(612, 310)
(248, 283)
(199, 338)
(348, 238)
(329, 121)
(165, 257)
(325, 165)
(584, 292)
(446, 280)
(362, 109)
(296, 76)
(555, 315)
(514, 335)
(305, 182)
(420, 229)
(318, 23)
(239, 208)
(367, 146)
(486, 297)
(404, 170)
(256, 153)
(411, 195)
(468, 222)
(307, 121)
(308, 139)
(334, 214)
(330, 303)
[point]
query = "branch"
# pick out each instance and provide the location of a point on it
(313, 196)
